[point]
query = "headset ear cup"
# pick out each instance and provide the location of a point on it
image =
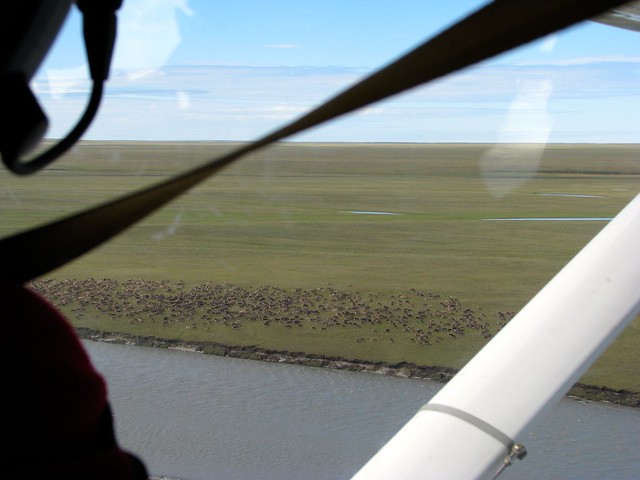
(25, 123)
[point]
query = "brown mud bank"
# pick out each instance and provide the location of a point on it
(402, 369)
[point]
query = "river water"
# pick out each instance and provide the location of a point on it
(202, 417)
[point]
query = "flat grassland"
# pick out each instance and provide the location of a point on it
(379, 252)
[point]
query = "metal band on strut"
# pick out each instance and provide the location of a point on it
(515, 449)
(473, 420)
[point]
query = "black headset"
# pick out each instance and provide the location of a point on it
(27, 30)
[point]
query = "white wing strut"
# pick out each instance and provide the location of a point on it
(469, 429)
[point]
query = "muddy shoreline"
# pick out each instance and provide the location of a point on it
(402, 369)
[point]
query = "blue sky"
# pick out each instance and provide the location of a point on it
(235, 70)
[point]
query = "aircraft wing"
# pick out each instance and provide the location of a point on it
(626, 16)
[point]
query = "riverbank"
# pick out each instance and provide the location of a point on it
(402, 369)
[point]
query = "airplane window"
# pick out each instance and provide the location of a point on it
(403, 236)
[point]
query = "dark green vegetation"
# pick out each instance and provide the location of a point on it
(270, 254)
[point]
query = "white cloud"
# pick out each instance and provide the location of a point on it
(582, 60)
(282, 45)
(63, 82)
(184, 101)
(486, 103)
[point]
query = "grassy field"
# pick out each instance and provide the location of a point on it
(279, 227)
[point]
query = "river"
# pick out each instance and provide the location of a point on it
(202, 417)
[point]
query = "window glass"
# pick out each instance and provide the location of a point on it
(412, 230)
